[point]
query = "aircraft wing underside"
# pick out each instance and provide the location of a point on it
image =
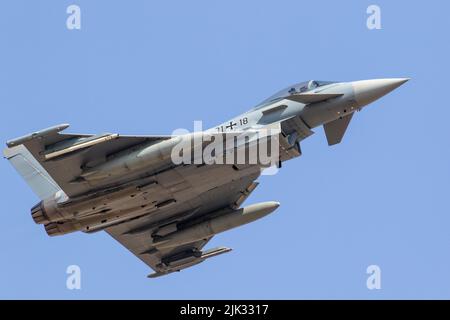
(147, 205)
(136, 235)
(62, 156)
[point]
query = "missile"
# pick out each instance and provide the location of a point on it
(37, 134)
(80, 145)
(228, 220)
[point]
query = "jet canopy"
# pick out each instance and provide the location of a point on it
(296, 88)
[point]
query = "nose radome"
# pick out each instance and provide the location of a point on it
(367, 91)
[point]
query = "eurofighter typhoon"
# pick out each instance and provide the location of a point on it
(165, 197)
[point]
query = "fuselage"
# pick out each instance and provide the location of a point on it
(165, 197)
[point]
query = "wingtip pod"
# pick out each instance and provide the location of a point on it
(41, 133)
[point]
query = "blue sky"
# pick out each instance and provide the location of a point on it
(141, 67)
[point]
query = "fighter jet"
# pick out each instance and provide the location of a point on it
(165, 211)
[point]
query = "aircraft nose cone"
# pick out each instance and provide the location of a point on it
(367, 91)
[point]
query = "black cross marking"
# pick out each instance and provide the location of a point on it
(231, 125)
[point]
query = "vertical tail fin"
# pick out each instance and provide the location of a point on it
(26, 165)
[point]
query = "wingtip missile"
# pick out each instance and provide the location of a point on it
(41, 133)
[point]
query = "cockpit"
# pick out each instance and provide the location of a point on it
(296, 88)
